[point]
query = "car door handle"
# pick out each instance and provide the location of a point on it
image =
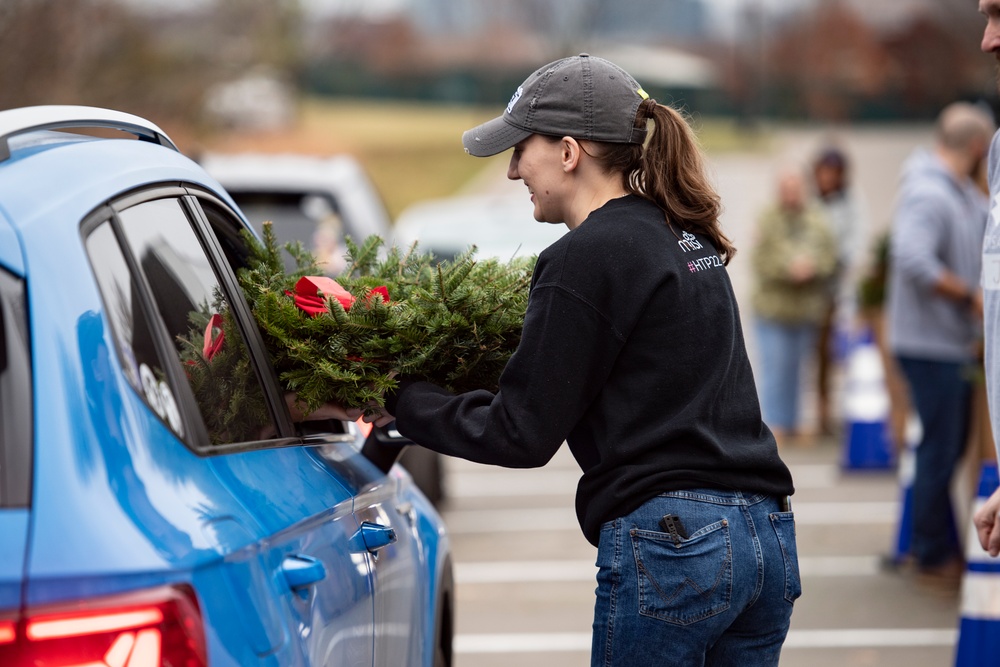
(301, 572)
(376, 537)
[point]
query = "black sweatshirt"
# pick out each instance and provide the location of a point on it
(633, 353)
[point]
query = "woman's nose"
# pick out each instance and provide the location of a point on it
(512, 169)
(991, 37)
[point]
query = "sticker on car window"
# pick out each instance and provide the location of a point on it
(160, 398)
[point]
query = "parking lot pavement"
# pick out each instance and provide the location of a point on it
(853, 611)
(525, 575)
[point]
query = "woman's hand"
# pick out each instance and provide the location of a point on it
(801, 270)
(987, 524)
(378, 416)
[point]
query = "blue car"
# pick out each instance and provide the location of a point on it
(145, 521)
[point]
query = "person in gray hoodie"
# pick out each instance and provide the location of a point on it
(935, 316)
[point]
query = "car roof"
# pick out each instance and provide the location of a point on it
(282, 170)
(26, 120)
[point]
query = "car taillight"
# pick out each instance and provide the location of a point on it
(160, 627)
(7, 634)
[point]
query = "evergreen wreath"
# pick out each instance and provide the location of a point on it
(399, 313)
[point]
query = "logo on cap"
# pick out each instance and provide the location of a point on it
(514, 99)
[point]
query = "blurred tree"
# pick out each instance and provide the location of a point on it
(832, 64)
(825, 62)
(248, 33)
(932, 64)
(94, 52)
(156, 63)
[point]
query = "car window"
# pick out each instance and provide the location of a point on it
(130, 326)
(200, 321)
(227, 230)
(312, 219)
(15, 394)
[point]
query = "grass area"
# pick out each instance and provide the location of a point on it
(414, 151)
(725, 135)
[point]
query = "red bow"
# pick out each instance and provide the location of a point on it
(381, 290)
(311, 294)
(213, 345)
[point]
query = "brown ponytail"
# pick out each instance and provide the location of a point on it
(670, 171)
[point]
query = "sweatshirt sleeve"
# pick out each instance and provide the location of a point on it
(919, 226)
(566, 352)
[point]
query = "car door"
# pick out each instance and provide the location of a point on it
(390, 534)
(395, 564)
(296, 586)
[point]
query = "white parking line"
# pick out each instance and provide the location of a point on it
(556, 571)
(510, 572)
(540, 642)
(482, 482)
(564, 518)
(561, 642)
(871, 638)
(815, 475)
(840, 566)
(510, 521)
(507, 483)
(846, 513)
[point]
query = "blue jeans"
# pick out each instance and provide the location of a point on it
(784, 348)
(941, 394)
(721, 596)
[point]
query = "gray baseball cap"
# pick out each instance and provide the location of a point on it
(583, 97)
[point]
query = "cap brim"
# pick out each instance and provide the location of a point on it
(492, 137)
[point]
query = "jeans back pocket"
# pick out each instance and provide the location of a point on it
(784, 528)
(685, 580)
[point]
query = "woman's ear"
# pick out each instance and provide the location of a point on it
(569, 153)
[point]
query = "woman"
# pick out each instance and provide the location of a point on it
(632, 353)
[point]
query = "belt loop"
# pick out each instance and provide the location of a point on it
(785, 503)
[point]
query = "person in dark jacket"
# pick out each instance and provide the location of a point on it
(633, 354)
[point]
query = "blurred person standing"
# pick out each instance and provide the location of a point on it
(632, 353)
(848, 222)
(987, 517)
(794, 258)
(934, 316)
